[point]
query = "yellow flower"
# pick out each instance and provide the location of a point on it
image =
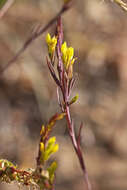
(51, 42)
(48, 38)
(64, 53)
(70, 53)
(67, 55)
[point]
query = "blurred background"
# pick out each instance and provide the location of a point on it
(97, 30)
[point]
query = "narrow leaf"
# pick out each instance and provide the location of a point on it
(74, 99)
(53, 73)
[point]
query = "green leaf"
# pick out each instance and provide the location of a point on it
(74, 99)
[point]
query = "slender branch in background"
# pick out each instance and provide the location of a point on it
(36, 34)
(65, 83)
(5, 8)
(122, 4)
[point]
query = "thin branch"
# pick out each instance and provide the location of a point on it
(122, 4)
(5, 8)
(35, 35)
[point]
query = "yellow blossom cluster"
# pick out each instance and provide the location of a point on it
(67, 55)
(51, 42)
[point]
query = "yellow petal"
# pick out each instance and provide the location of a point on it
(41, 146)
(55, 148)
(73, 60)
(70, 53)
(52, 140)
(48, 38)
(54, 41)
(64, 48)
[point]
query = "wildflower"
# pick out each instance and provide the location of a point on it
(67, 58)
(51, 42)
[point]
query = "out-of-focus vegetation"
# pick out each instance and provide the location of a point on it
(2, 2)
(97, 31)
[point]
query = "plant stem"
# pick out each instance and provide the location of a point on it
(76, 146)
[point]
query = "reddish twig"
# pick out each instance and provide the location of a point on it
(76, 145)
(65, 85)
